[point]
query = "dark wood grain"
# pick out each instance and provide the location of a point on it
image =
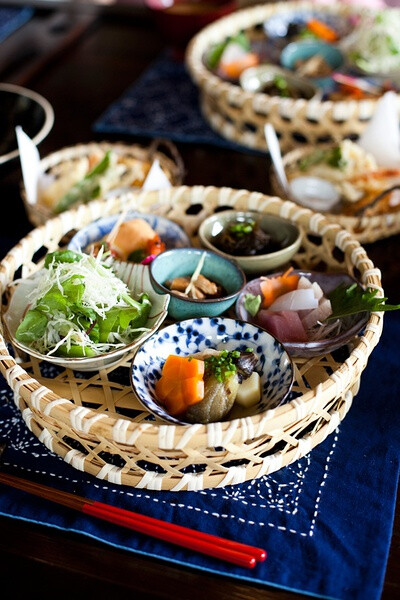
(81, 72)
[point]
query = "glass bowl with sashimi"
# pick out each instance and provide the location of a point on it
(310, 313)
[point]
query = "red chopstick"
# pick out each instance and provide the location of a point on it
(231, 551)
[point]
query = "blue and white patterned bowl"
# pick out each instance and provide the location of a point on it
(170, 232)
(195, 335)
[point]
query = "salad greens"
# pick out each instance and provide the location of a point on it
(80, 308)
(87, 188)
(332, 157)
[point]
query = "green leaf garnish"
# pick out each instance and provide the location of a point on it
(350, 300)
(252, 304)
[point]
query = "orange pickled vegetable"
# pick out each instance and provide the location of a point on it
(322, 30)
(233, 69)
(273, 287)
(181, 383)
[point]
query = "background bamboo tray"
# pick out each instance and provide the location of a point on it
(364, 228)
(94, 422)
(240, 116)
(163, 150)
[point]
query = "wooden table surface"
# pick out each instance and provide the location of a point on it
(81, 62)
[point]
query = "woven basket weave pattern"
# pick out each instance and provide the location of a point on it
(97, 425)
(240, 116)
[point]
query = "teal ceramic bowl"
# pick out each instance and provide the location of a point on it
(305, 49)
(181, 262)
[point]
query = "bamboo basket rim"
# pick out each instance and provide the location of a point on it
(88, 422)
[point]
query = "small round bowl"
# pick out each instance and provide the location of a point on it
(195, 335)
(283, 231)
(351, 325)
(182, 262)
(137, 279)
(20, 106)
(170, 233)
(305, 49)
(259, 78)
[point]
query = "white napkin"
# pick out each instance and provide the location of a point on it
(381, 137)
(30, 164)
(156, 178)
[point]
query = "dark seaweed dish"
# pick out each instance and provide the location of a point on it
(245, 238)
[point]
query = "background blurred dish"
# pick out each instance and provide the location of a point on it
(24, 107)
(272, 80)
(194, 335)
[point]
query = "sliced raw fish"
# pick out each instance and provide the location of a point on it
(318, 314)
(285, 325)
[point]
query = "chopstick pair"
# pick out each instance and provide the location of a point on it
(237, 553)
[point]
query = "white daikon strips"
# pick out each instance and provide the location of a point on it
(249, 392)
(320, 313)
(302, 299)
(304, 283)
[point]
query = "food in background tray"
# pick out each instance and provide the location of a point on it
(356, 176)
(202, 388)
(80, 308)
(86, 177)
(232, 56)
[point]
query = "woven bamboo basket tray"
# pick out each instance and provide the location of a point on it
(366, 228)
(96, 424)
(240, 116)
(163, 150)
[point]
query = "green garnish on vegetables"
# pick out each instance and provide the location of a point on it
(282, 85)
(80, 308)
(332, 157)
(353, 299)
(87, 188)
(242, 228)
(222, 366)
(252, 304)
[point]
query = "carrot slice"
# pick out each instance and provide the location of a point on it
(322, 30)
(181, 383)
(234, 69)
(273, 287)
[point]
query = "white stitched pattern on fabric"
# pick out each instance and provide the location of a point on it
(166, 436)
(111, 473)
(46, 438)
(76, 459)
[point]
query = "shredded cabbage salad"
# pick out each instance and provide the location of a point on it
(375, 43)
(81, 308)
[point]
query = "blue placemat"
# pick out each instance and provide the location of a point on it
(325, 520)
(163, 102)
(12, 18)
